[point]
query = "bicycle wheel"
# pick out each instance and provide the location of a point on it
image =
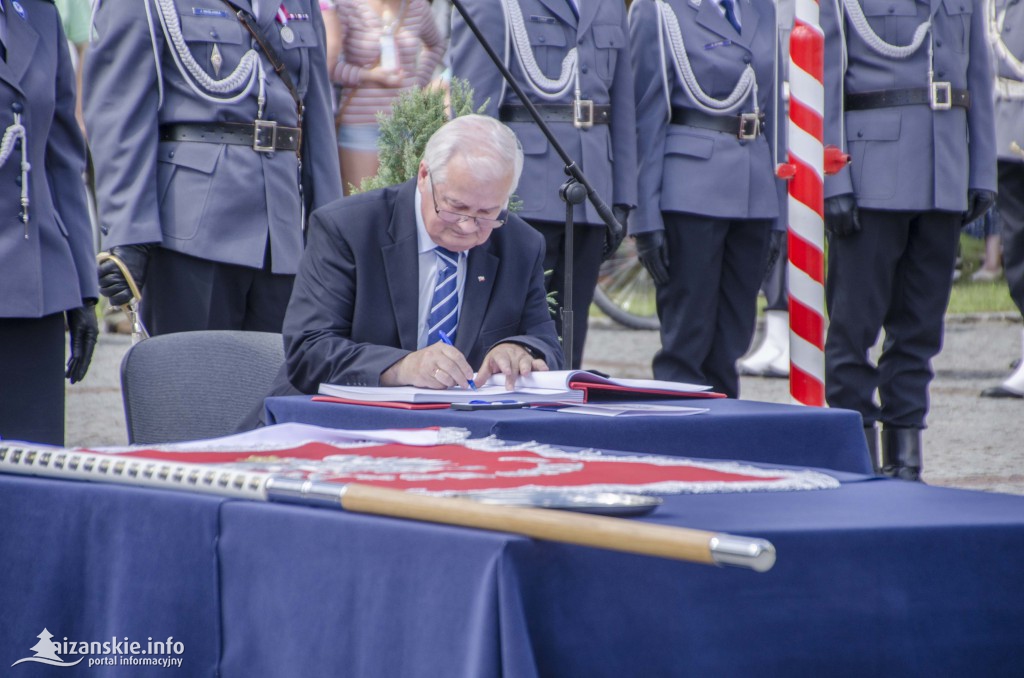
(625, 291)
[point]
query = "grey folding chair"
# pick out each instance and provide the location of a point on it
(193, 385)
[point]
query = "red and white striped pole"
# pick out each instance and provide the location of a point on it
(806, 154)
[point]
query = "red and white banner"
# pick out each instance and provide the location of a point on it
(485, 465)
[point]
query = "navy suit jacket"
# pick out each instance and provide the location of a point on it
(54, 268)
(354, 308)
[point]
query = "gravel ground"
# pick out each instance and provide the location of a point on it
(971, 442)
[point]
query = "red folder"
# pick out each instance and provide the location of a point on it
(379, 403)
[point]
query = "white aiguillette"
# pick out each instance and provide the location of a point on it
(556, 386)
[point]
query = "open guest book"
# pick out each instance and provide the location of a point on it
(557, 386)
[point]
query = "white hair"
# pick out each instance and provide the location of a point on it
(488, 147)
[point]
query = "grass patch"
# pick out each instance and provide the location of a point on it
(977, 297)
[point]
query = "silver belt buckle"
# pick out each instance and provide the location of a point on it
(750, 126)
(262, 129)
(941, 96)
(583, 113)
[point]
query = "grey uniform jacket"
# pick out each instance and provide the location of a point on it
(1010, 80)
(911, 157)
(605, 153)
(691, 169)
(208, 200)
(54, 268)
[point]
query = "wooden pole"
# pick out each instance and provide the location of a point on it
(616, 534)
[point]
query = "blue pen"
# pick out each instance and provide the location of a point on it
(448, 340)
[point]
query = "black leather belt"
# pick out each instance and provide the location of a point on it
(940, 96)
(262, 135)
(743, 126)
(587, 115)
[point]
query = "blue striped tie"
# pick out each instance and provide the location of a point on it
(444, 306)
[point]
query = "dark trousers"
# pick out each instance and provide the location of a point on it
(1011, 210)
(895, 274)
(185, 293)
(775, 293)
(588, 244)
(32, 379)
(708, 308)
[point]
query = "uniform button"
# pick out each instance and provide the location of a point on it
(938, 43)
(17, 107)
(746, 59)
(583, 69)
(105, 229)
(892, 10)
(543, 39)
(170, 154)
(941, 74)
(860, 134)
(17, 179)
(213, 34)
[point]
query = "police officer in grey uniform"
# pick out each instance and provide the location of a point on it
(913, 106)
(571, 57)
(1006, 32)
(47, 274)
(207, 156)
(707, 97)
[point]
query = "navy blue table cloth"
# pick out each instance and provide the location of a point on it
(878, 577)
(732, 429)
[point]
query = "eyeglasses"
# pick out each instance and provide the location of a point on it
(450, 217)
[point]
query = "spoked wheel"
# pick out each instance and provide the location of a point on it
(625, 291)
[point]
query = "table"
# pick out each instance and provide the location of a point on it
(879, 577)
(732, 429)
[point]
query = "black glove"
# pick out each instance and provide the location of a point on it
(776, 243)
(650, 249)
(979, 201)
(112, 282)
(612, 239)
(84, 330)
(841, 218)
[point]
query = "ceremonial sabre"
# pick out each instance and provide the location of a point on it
(131, 309)
(616, 534)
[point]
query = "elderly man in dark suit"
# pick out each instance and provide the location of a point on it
(386, 273)
(908, 90)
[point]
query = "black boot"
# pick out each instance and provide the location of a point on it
(901, 453)
(871, 435)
